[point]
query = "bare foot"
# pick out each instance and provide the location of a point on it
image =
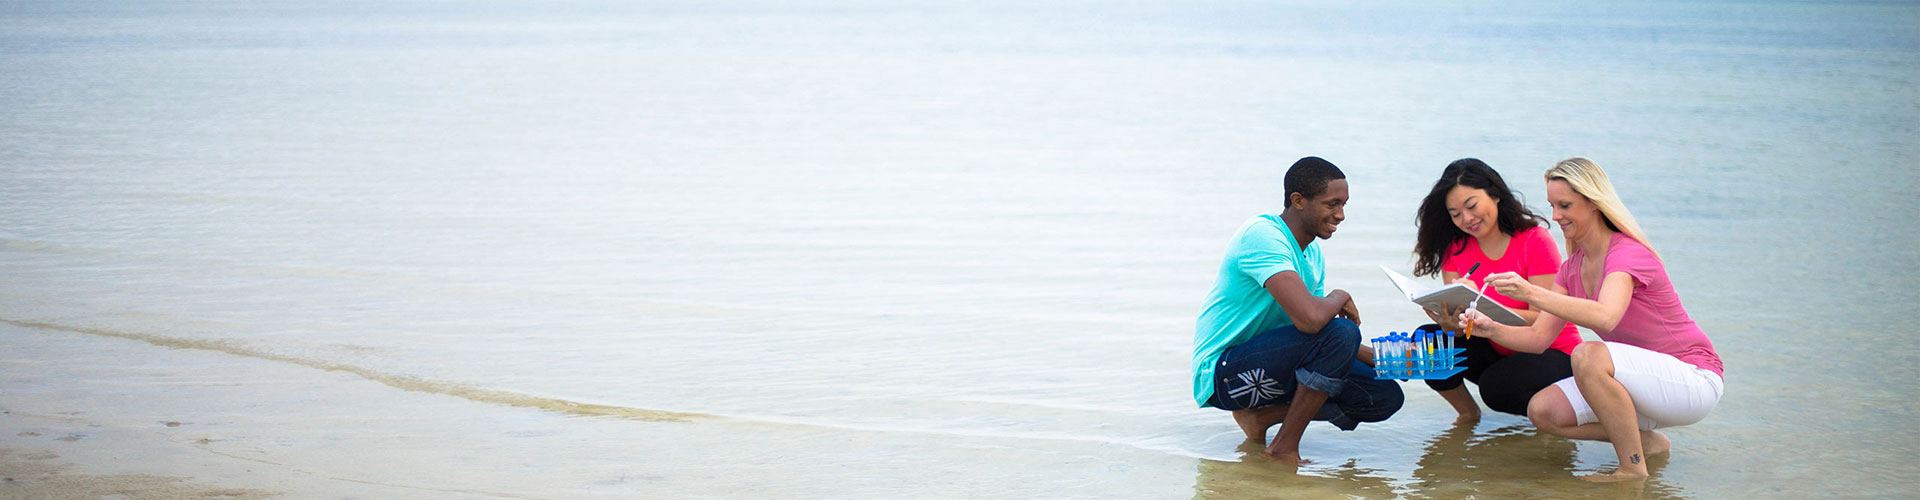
(1286, 456)
(1654, 443)
(1286, 451)
(1467, 418)
(1255, 421)
(1613, 478)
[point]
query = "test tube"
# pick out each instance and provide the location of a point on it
(1406, 353)
(1420, 352)
(1413, 349)
(1431, 344)
(1426, 355)
(1406, 350)
(1452, 341)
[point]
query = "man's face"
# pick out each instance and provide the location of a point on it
(1324, 212)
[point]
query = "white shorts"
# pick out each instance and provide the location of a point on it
(1666, 391)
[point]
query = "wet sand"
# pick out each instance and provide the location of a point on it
(42, 475)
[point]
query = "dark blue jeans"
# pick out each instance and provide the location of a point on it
(1265, 369)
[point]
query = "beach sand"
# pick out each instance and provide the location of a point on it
(129, 418)
(43, 475)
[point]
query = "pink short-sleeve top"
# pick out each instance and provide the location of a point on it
(1654, 318)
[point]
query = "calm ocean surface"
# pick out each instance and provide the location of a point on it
(895, 249)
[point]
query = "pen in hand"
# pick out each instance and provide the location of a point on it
(1468, 329)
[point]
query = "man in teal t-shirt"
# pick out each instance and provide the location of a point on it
(1273, 346)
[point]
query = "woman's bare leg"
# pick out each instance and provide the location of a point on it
(1462, 402)
(1593, 373)
(1552, 414)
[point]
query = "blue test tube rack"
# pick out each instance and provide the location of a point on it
(1418, 355)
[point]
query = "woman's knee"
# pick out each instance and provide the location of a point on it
(1549, 409)
(1591, 358)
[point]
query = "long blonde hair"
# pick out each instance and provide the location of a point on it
(1587, 179)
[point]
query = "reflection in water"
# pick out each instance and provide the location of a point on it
(1256, 476)
(1460, 463)
(1513, 461)
(1516, 461)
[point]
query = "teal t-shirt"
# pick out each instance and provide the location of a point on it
(1239, 306)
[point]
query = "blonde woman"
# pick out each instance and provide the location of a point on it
(1654, 368)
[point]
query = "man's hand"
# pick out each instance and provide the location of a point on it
(1349, 310)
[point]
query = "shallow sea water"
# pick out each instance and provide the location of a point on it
(844, 249)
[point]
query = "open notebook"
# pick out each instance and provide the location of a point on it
(1456, 295)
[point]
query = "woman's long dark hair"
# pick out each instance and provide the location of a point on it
(1437, 237)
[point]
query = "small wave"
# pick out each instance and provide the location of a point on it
(403, 382)
(1153, 441)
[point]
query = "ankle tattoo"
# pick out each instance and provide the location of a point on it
(1635, 458)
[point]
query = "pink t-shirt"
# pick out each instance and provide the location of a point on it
(1654, 318)
(1532, 253)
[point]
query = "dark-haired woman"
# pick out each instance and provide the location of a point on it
(1471, 226)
